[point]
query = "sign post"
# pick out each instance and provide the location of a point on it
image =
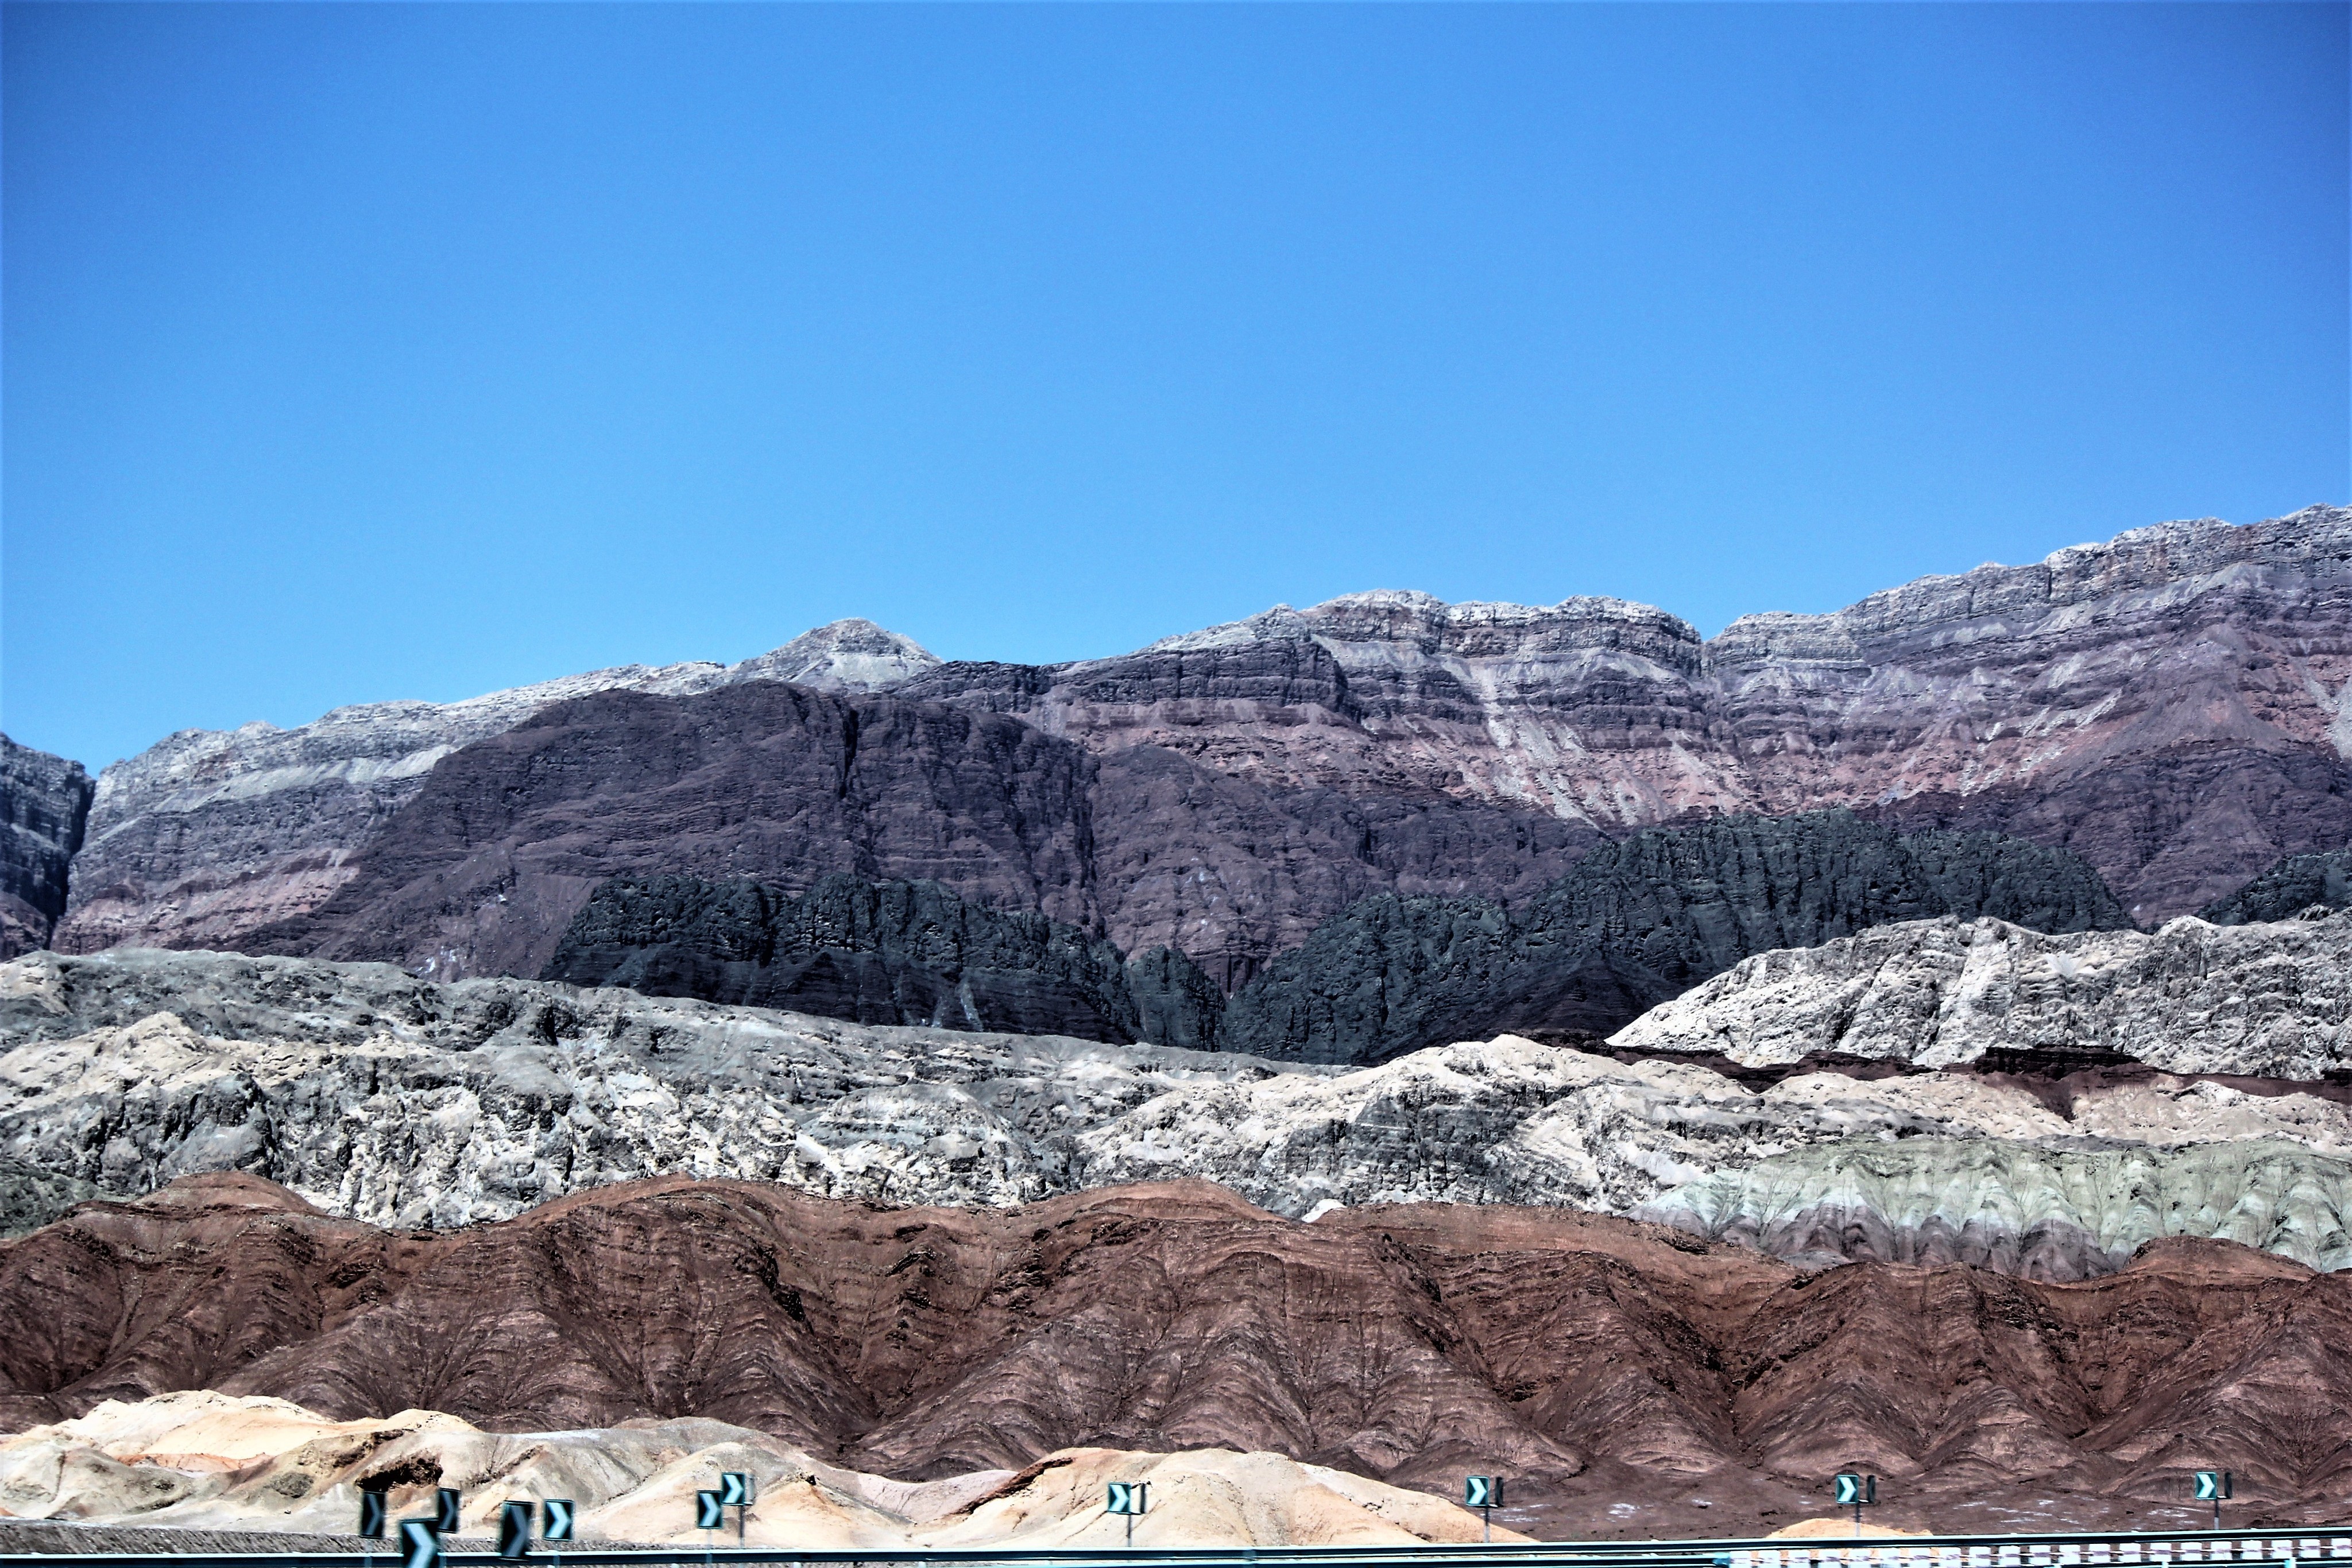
(735, 1492)
(1858, 1492)
(1484, 1493)
(420, 1543)
(1127, 1499)
(555, 1524)
(514, 1530)
(709, 1514)
(446, 1509)
(2214, 1487)
(371, 1521)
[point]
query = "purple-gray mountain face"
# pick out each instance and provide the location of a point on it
(44, 800)
(2171, 706)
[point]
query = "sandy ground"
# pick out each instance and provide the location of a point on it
(206, 1461)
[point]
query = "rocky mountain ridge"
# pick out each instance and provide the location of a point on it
(208, 834)
(2168, 706)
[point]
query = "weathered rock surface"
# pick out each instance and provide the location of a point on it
(2295, 884)
(905, 952)
(2041, 1210)
(1633, 924)
(380, 1097)
(210, 835)
(2271, 1002)
(397, 1100)
(44, 803)
(1628, 1378)
(2168, 706)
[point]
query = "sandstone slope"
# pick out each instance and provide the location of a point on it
(1627, 1377)
(203, 1460)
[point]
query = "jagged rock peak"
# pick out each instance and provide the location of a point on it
(851, 654)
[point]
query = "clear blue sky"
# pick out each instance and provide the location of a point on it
(356, 353)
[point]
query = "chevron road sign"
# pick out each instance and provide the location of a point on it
(1855, 1491)
(445, 1511)
(1127, 1499)
(371, 1515)
(514, 1530)
(709, 1513)
(555, 1518)
(420, 1543)
(734, 1489)
(2214, 1487)
(1481, 1491)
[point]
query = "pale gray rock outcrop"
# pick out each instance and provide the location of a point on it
(2269, 1000)
(44, 803)
(2067, 1210)
(390, 1099)
(384, 1098)
(208, 834)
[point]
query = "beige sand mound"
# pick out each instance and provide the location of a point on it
(199, 1430)
(1203, 1497)
(205, 1460)
(1839, 1529)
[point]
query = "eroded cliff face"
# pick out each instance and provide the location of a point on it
(44, 803)
(1592, 1360)
(2170, 707)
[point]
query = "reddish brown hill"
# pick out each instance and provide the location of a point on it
(1629, 1378)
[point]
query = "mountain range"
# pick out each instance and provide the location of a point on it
(2165, 712)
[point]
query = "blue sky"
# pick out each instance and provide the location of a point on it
(356, 352)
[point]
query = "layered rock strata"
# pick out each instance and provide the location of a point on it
(380, 1097)
(1628, 1378)
(2170, 707)
(210, 835)
(44, 803)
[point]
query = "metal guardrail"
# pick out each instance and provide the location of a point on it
(2110, 1548)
